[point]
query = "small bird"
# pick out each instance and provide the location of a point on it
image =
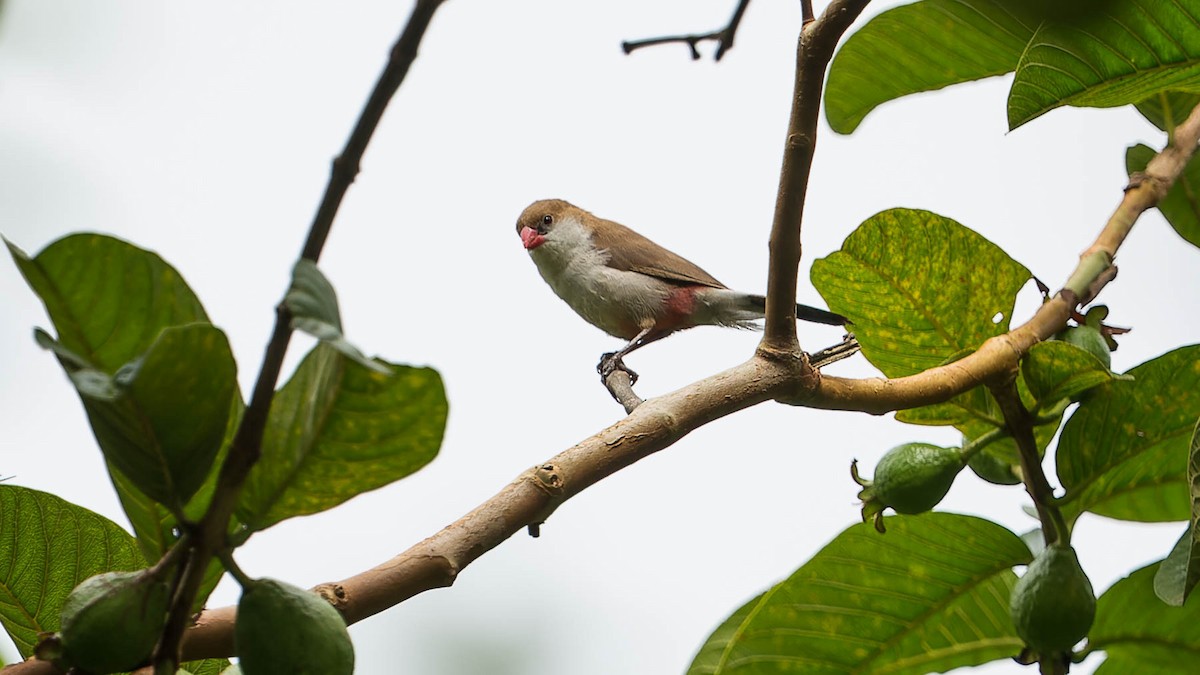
(628, 286)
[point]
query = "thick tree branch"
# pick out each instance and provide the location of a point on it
(813, 53)
(531, 497)
(724, 37)
(1001, 353)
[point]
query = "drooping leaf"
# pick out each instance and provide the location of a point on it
(314, 307)
(156, 527)
(1140, 634)
(1181, 206)
(1124, 453)
(928, 596)
(1167, 109)
(919, 288)
(1180, 572)
(162, 418)
(47, 547)
(154, 524)
(921, 47)
(1170, 581)
(1117, 53)
(108, 299)
(337, 429)
(1055, 370)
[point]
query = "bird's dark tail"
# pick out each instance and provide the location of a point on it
(806, 313)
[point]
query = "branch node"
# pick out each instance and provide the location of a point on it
(724, 37)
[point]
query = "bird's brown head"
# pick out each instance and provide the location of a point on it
(540, 218)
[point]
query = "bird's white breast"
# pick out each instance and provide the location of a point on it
(617, 302)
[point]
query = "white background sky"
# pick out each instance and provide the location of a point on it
(203, 131)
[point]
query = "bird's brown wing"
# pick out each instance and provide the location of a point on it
(631, 252)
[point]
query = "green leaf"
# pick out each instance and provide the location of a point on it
(1168, 109)
(1140, 634)
(50, 545)
(1055, 370)
(314, 307)
(1180, 572)
(162, 418)
(710, 659)
(337, 429)
(206, 666)
(1115, 54)
(155, 525)
(919, 288)
(1124, 453)
(1181, 206)
(108, 299)
(1171, 579)
(928, 596)
(921, 47)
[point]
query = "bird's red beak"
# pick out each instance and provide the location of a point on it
(531, 239)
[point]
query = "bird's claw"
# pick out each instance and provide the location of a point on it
(610, 363)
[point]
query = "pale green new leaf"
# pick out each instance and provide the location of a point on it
(929, 596)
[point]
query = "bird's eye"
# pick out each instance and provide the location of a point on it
(547, 219)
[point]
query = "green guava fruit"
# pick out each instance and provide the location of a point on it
(913, 478)
(111, 622)
(285, 630)
(1053, 605)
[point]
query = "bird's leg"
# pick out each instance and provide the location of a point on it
(612, 361)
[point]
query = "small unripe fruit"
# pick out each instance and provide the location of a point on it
(1053, 605)
(111, 622)
(285, 630)
(913, 478)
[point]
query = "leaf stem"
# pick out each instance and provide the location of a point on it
(1019, 424)
(973, 448)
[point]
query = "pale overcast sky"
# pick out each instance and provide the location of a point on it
(204, 131)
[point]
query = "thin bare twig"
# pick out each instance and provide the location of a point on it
(843, 350)
(724, 37)
(247, 442)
